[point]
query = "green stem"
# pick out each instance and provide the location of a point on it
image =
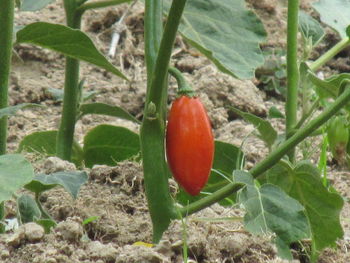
(307, 114)
(93, 5)
(160, 203)
(6, 37)
(330, 54)
(292, 69)
(44, 213)
(71, 91)
(183, 87)
(274, 156)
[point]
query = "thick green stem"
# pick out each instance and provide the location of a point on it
(274, 156)
(71, 91)
(100, 4)
(160, 203)
(330, 54)
(292, 69)
(6, 31)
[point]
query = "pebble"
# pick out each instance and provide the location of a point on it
(33, 232)
(98, 250)
(70, 230)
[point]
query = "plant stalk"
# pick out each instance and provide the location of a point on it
(6, 38)
(100, 4)
(292, 70)
(274, 156)
(71, 91)
(330, 54)
(158, 51)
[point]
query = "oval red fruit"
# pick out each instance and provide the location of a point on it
(189, 144)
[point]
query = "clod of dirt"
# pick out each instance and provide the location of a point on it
(33, 232)
(16, 238)
(131, 254)
(97, 250)
(226, 91)
(55, 164)
(70, 230)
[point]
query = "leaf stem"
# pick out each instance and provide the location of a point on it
(100, 4)
(330, 54)
(292, 70)
(6, 37)
(274, 156)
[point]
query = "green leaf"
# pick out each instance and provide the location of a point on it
(70, 181)
(310, 28)
(334, 13)
(47, 224)
(266, 132)
(275, 113)
(322, 206)
(226, 32)
(227, 159)
(70, 42)
(28, 209)
(15, 172)
(90, 219)
(105, 109)
(57, 94)
(106, 144)
(44, 142)
(12, 110)
(269, 209)
(2, 211)
(34, 5)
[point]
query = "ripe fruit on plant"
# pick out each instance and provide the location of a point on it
(189, 143)
(338, 137)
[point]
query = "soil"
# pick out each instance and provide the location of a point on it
(116, 194)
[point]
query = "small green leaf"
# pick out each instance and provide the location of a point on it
(15, 172)
(275, 113)
(34, 5)
(322, 206)
(334, 13)
(227, 159)
(90, 219)
(57, 94)
(28, 209)
(44, 142)
(105, 109)
(106, 144)
(70, 181)
(47, 224)
(310, 28)
(269, 209)
(2, 210)
(226, 32)
(266, 132)
(12, 110)
(70, 42)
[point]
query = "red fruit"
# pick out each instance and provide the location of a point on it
(189, 144)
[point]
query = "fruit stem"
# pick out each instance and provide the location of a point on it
(183, 87)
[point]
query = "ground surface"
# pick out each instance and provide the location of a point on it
(115, 194)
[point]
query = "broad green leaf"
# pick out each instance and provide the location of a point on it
(271, 210)
(227, 159)
(266, 132)
(57, 94)
(44, 142)
(15, 172)
(34, 5)
(105, 109)
(12, 110)
(70, 181)
(47, 224)
(70, 42)
(226, 32)
(323, 207)
(28, 209)
(106, 144)
(334, 13)
(310, 28)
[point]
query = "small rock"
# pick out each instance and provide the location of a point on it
(70, 230)
(98, 250)
(4, 254)
(33, 232)
(16, 238)
(55, 164)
